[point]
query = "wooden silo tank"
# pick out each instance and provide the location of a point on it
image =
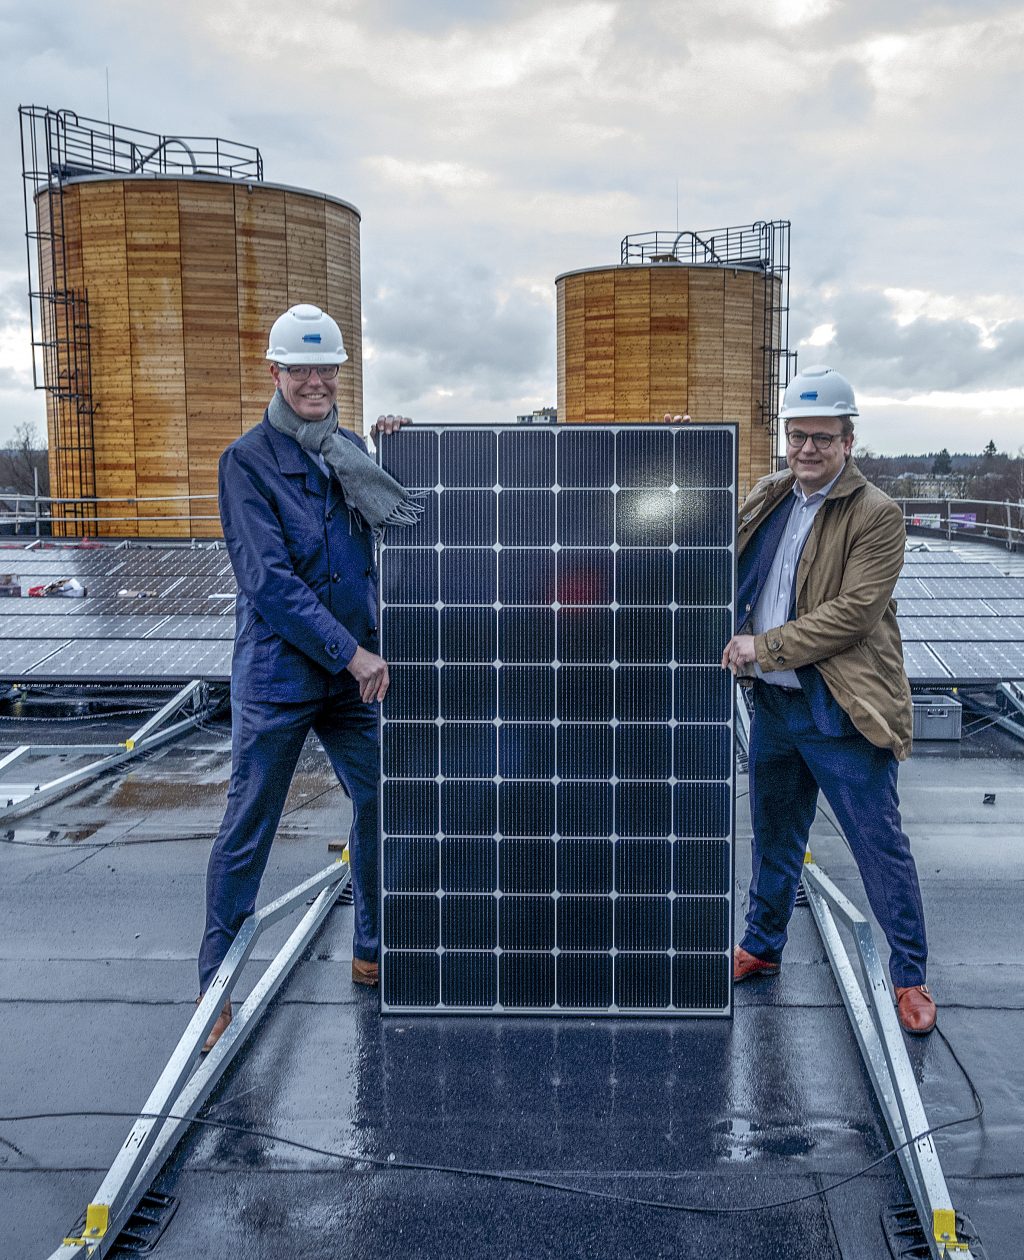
(638, 341)
(183, 278)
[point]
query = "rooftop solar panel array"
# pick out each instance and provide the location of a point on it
(557, 747)
(962, 621)
(183, 631)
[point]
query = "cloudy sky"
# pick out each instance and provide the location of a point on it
(490, 146)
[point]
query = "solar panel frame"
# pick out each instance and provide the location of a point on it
(508, 816)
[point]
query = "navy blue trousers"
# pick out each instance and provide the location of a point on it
(266, 740)
(790, 760)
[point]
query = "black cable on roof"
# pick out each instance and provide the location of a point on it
(540, 1183)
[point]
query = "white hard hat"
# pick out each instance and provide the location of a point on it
(305, 334)
(818, 391)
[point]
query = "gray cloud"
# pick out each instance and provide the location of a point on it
(887, 134)
(882, 356)
(464, 330)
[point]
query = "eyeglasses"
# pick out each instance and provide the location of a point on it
(822, 441)
(326, 371)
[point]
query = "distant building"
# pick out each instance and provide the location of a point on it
(543, 415)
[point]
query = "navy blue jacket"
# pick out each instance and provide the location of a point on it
(306, 577)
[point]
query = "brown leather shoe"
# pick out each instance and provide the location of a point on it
(745, 965)
(365, 972)
(915, 1009)
(219, 1028)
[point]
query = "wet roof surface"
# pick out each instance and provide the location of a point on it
(100, 916)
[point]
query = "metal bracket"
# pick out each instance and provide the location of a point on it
(183, 1088)
(23, 798)
(873, 1019)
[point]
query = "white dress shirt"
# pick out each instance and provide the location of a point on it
(774, 602)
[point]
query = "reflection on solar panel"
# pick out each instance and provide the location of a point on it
(557, 740)
(921, 664)
(988, 662)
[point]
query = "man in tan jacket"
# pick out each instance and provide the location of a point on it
(819, 554)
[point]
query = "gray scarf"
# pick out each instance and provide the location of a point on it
(372, 495)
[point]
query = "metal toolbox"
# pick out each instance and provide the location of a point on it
(937, 717)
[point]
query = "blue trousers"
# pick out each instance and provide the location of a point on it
(266, 740)
(790, 760)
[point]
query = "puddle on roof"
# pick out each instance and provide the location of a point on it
(53, 835)
(145, 793)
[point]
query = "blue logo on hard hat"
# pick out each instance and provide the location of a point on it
(316, 337)
(809, 395)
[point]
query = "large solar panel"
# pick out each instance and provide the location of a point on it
(910, 588)
(104, 660)
(982, 662)
(957, 570)
(962, 629)
(910, 608)
(557, 752)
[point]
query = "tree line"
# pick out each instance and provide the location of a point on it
(991, 475)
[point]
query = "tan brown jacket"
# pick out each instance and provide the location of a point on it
(845, 614)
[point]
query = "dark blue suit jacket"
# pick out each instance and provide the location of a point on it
(306, 577)
(752, 572)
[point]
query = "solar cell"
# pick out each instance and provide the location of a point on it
(18, 656)
(910, 588)
(945, 570)
(921, 664)
(557, 740)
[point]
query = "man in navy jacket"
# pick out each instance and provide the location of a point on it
(305, 654)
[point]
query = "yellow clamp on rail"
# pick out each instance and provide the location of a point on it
(808, 859)
(344, 854)
(129, 744)
(97, 1222)
(944, 1230)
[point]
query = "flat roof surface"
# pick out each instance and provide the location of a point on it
(101, 906)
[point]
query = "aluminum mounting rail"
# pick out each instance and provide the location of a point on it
(18, 799)
(183, 1088)
(873, 1018)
